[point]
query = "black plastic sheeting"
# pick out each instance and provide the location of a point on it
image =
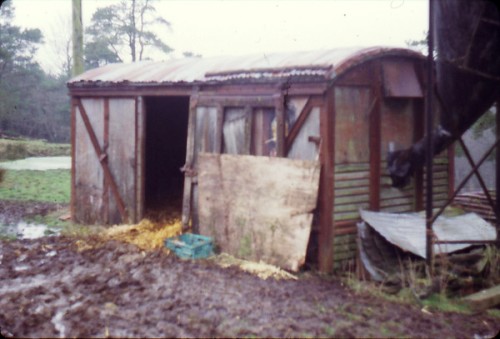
(467, 37)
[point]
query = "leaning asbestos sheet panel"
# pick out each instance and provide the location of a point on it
(258, 208)
(407, 230)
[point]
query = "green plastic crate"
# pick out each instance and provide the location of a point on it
(190, 246)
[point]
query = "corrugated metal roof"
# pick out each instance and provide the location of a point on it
(324, 64)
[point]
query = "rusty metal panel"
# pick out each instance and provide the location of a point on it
(122, 155)
(352, 108)
(400, 80)
(306, 143)
(89, 177)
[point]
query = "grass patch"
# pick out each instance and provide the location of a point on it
(48, 186)
(366, 287)
(440, 302)
(51, 219)
(6, 237)
(437, 301)
(494, 312)
(20, 149)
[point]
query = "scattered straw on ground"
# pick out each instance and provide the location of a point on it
(149, 235)
(146, 235)
(261, 269)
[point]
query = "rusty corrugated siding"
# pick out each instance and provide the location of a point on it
(324, 64)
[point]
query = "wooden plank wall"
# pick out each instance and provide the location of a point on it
(351, 191)
(114, 123)
(352, 168)
(89, 176)
(122, 155)
(440, 185)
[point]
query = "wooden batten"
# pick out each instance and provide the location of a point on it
(141, 164)
(188, 166)
(73, 159)
(106, 183)
(326, 197)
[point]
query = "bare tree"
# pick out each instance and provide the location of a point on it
(124, 28)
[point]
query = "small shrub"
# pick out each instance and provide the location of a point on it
(14, 151)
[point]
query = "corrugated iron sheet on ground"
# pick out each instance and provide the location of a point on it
(407, 230)
(324, 64)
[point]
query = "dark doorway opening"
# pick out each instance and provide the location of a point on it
(165, 154)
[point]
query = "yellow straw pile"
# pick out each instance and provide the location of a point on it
(146, 235)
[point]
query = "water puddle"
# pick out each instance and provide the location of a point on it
(38, 163)
(25, 230)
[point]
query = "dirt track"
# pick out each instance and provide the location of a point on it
(57, 286)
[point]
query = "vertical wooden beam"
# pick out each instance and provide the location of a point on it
(429, 122)
(188, 167)
(418, 134)
(106, 183)
(280, 125)
(140, 158)
(248, 129)
(73, 159)
(451, 170)
(326, 191)
(497, 179)
(219, 126)
(374, 129)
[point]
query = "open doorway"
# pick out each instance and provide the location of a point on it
(165, 154)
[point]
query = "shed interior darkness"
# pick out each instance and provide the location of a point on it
(165, 154)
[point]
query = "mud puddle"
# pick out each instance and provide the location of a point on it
(26, 230)
(13, 216)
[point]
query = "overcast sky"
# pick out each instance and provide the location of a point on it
(235, 27)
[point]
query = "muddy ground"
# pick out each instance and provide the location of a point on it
(67, 287)
(11, 212)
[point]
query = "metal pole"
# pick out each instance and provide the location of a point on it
(429, 142)
(497, 179)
